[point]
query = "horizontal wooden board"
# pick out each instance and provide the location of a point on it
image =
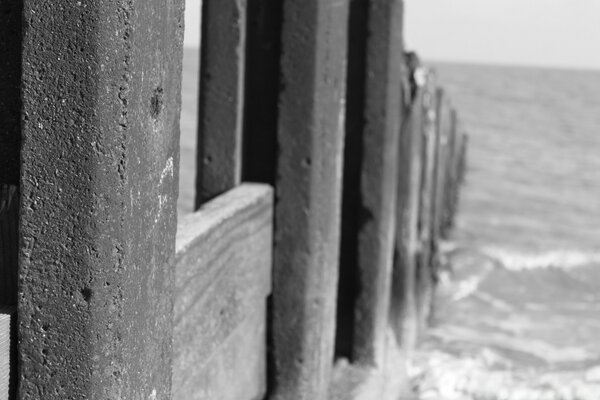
(237, 369)
(223, 275)
(6, 314)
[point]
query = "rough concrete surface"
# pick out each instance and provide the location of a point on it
(101, 84)
(308, 196)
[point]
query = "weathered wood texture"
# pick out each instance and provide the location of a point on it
(427, 202)
(263, 45)
(404, 290)
(221, 99)
(101, 102)
(308, 190)
(7, 353)
(223, 277)
(376, 153)
(9, 243)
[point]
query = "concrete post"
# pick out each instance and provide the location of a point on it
(376, 153)
(308, 194)
(101, 103)
(221, 99)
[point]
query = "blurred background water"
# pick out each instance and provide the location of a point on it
(533, 180)
(517, 314)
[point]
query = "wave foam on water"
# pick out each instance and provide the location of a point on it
(564, 259)
(520, 261)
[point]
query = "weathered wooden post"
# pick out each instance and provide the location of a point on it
(7, 352)
(308, 194)
(221, 99)
(370, 186)
(101, 100)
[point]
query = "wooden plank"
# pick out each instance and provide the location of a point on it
(308, 190)
(221, 100)
(7, 353)
(237, 369)
(404, 290)
(223, 276)
(372, 142)
(101, 103)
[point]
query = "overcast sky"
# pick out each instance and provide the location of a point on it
(530, 32)
(523, 32)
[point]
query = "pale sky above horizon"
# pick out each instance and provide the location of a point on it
(561, 33)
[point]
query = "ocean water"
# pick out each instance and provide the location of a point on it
(517, 310)
(533, 183)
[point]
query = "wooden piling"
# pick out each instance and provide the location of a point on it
(101, 102)
(8, 346)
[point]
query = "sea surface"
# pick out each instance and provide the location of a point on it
(517, 310)
(533, 183)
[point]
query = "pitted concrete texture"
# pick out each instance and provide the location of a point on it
(101, 84)
(308, 195)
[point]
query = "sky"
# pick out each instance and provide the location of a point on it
(552, 33)
(558, 33)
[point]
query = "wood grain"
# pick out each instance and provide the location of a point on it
(236, 370)
(223, 276)
(7, 353)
